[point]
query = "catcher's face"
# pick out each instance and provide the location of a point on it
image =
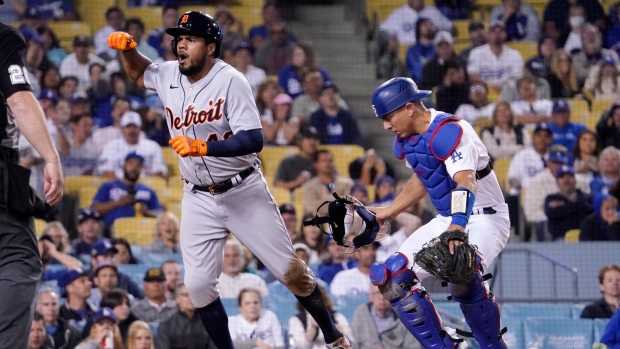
(400, 121)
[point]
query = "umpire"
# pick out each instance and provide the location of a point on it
(20, 264)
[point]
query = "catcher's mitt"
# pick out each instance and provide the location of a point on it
(457, 268)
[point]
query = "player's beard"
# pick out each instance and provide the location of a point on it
(194, 66)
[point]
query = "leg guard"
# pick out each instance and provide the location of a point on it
(410, 302)
(481, 312)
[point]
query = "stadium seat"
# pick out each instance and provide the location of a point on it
(572, 235)
(579, 110)
(176, 182)
(558, 333)
(158, 258)
(577, 309)
(282, 195)
(514, 337)
(170, 197)
(135, 272)
(73, 184)
(210, 10)
(171, 159)
(271, 157)
(67, 30)
(599, 327)
(39, 225)
(402, 53)
(462, 30)
(156, 183)
(344, 155)
(452, 308)
(381, 8)
(250, 12)
(347, 304)
(151, 16)
(93, 12)
(283, 305)
(511, 310)
(231, 306)
(600, 105)
(500, 166)
(86, 196)
(137, 230)
(592, 120)
(459, 46)
(528, 49)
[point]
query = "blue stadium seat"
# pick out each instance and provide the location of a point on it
(157, 259)
(599, 328)
(347, 304)
(536, 310)
(514, 337)
(230, 304)
(452, 308)
(135, 272)
(284, 308)
(558, 333)
(577, 309)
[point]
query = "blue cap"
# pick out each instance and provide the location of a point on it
(560, 105)
(102, 246)
(564, 170)
(72, 275)
(30, 34)
(105, 313)
(134, 155)
(48, 94)
(544, 127)
(243, 46)
(329, 84)
(395, 93)
(557, 153)
(87, 213)
(607, 59)
(359, 186)
(384, 179)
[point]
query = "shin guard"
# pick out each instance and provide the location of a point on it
(481, 312)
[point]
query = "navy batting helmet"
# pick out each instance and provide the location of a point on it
(395, 93)
(197, 24)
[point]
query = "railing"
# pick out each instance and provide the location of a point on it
(499, 288)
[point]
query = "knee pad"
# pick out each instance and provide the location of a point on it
(481, 312)
(413, 306)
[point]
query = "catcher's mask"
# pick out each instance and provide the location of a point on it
(341, 222)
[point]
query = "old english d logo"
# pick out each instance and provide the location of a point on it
(184, 19)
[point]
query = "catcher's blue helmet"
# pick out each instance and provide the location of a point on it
(395, 93)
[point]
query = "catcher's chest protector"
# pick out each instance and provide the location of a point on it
(427, 166)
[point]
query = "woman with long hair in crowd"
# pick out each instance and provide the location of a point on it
(586, 153)
(140, 336)
(280, 128)
(255, 327)
(267, 91)
(603, 80)
(302, 59)
(503, 138)
(562, 78)
(104, 329)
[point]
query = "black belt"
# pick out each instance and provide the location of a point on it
(222, 187)
(9, 154)
(485, 171)
(484, 210)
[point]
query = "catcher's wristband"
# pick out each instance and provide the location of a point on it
(461, 204)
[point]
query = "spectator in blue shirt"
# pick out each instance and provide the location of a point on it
(302, 59)
(169, 18)
(56, 10)
(334, 124)
(564, 132)
(423, 49)
(126, 197)
(520, 18)
(89, 230)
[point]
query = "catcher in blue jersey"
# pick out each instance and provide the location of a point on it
(453, 167)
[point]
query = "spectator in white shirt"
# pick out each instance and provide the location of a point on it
(479, 107)
(356, 280)
(400, 24)
(504, 138)
(102, 136)
(255, 327)
(233, 280)
(113, 155)
(77, 63)
(529, 161)
(494, 62)
(78, 155)
(242, 61)
(529, 109)
(114, 18)
(577, 16)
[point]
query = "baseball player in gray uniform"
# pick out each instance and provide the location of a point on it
(215, 128)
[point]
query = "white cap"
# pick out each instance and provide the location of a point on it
(131, 118)
(443, 36)
(301, 246)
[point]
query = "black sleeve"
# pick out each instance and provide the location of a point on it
(13, 74)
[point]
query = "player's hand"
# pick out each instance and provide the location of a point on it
(54, 182)
(185, 146)
(121, 41)
(453, 243)
(383, 214)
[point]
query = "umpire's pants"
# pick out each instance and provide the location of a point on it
(20, 272)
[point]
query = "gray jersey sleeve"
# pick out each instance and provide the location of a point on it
(240, 108)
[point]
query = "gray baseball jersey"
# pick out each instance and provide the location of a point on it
(213, 108)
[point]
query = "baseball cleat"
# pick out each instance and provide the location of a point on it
(341, 343)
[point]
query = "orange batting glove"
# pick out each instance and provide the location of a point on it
(121, 41)
(186, 146)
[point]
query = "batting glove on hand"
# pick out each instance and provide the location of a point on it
(121, 41)
(186, 146)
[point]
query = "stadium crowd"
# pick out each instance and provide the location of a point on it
(561, 174)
